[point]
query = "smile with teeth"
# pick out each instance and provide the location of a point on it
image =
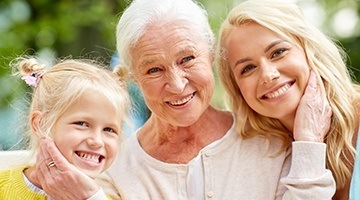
(278, 92)
(181, 101)
(90, 157)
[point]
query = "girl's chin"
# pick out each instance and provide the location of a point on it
(90, 173)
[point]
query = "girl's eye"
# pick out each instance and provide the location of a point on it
(110, 130)
(247, 68)
(187, 59)
(84, 124)
(153, 70)
(278, 52)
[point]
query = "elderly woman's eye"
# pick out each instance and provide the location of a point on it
(153, 70)
(187, 59)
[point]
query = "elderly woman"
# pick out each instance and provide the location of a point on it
(188, 149)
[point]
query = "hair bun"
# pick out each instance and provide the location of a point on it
(121, 71)
(29, 66)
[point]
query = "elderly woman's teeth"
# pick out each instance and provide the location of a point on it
(181, 101)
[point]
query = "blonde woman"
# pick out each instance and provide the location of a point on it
(266, 54)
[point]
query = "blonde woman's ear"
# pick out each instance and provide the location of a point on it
(35, 123)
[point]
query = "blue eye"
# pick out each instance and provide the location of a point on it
(80, 123)
(247, 68)
(278, 52)
(187, 59)
(110, 130)
(153, 70)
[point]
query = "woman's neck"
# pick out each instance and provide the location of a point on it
(181, 144)
(288, 123)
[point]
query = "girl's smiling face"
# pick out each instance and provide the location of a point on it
(270, 72)
(87, 134)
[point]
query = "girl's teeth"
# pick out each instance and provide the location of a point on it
(89, 157)
(278, 92)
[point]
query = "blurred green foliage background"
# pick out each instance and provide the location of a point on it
(86, 29)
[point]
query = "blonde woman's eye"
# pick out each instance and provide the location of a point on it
(278, 52)
(247, 68)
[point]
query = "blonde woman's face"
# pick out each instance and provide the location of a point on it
(87, 134)
(270, 72)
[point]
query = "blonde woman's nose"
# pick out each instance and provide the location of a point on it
(269, 74)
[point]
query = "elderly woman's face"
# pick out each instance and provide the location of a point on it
(173, 67)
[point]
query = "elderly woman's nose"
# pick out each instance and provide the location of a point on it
(176, 81)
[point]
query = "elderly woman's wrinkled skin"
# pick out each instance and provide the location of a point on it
(174, 72)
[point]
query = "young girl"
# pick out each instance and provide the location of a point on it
(269, 53)
(81, 106)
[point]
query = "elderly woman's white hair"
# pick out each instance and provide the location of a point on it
(140, 14)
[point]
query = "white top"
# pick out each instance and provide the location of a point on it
(232, 168)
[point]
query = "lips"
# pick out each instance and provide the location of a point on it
(278, 92)
(96, 158)
(182, 101)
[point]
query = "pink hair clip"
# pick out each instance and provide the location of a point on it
(33, 78)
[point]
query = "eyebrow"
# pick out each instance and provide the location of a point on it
(271, 45)
(181, 52)
(242, 61)
(187, 49)
(146, 62)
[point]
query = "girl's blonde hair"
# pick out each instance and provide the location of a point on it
(59, 87)
(324, 57)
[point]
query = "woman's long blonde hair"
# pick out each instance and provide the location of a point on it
(323, 55)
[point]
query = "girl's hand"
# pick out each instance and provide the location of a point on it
(313, 116)
(61, 180)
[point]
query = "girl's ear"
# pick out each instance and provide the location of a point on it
(35, 123)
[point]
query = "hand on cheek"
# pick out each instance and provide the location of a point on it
(313, 115)
(57, 177)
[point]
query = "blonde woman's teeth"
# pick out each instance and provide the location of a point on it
(278, 92)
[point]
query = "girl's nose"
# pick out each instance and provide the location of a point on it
(96, 140)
